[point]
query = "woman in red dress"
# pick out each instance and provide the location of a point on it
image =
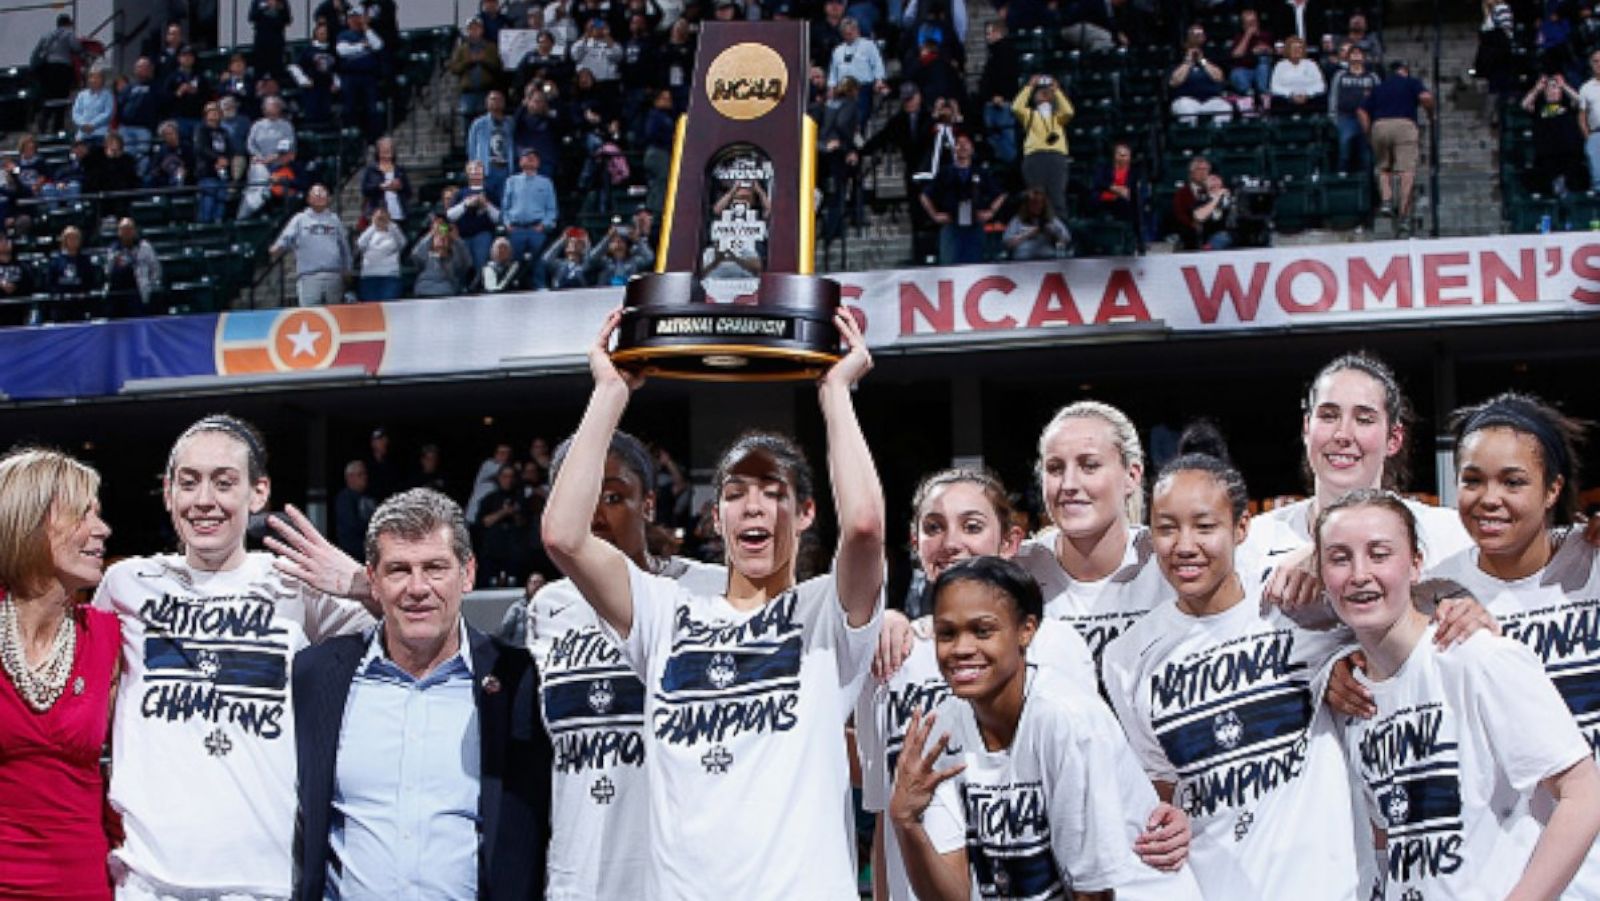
(58, 660)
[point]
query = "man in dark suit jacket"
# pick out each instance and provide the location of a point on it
(425, 684)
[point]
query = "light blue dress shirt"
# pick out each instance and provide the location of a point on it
(528, 200)
(92, 109)
(405, 794)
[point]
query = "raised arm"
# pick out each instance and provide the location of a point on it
(857, 494)
(598, 569)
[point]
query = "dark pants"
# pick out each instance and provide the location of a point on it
(379, 287)
(526, 243)
(55, 83)
(960, 244)
(1047, 171)
(361, 104)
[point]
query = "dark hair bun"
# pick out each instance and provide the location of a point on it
(1203, 437)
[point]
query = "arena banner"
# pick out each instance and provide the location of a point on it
(1374, 285)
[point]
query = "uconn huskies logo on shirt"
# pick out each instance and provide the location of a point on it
(1396, 805)
(593, 704)
(722, 670)
(1410, 764)
(601, 695)
(723, 680)
(1232, 719)
(1227, 729)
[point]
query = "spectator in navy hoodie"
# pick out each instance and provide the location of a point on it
(139, 109)
(271, 19)
(314, 71)
(16, 280)
(493, 19)
(539, 128)
(237, 81)
(185, 92)
(962, 199)
(71, 275)
(213, 152)
(167, 55)
(116, 171)
(360, 64)
(171, 162)
(475, 215)
(13, 215)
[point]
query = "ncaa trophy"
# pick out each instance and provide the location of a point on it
(733, 297)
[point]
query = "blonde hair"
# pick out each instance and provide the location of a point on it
(35, 486)
(1123, 435)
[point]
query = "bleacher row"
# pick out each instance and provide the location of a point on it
(1526, 211)
(204, 267)
(1121, 95)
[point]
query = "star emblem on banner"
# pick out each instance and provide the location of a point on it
(717, 760)
(304, 340)
(603, 790)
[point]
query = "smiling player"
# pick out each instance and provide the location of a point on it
(203, 767)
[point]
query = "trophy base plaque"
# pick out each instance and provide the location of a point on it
(668, 329)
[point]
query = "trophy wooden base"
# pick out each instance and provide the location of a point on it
(668, 330)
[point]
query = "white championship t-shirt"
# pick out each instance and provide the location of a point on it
(1460, 743)
(884, 711)
(1222, 707)
(593, 708)
(1056, 812)
(1555, 613)
(1288, 528)
(745, 714)
(203, 757)
(1103, 609)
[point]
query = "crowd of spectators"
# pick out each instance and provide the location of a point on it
(567, 148)
(503, 502)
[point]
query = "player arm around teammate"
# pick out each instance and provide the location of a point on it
(1462, 741)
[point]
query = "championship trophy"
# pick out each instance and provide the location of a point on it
(733, 297)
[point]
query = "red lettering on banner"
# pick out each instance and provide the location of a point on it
(973, 307)
(940, 318)
(1327, 293)
(1396, 277)
(848, 295)
(1121, 285)
(1583, 266)
(1208, 301)
(1493, 272)
(1436, 282)
(1055, 303)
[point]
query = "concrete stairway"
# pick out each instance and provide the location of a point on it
(422, 140)
(1468, 196)
(883, 240)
